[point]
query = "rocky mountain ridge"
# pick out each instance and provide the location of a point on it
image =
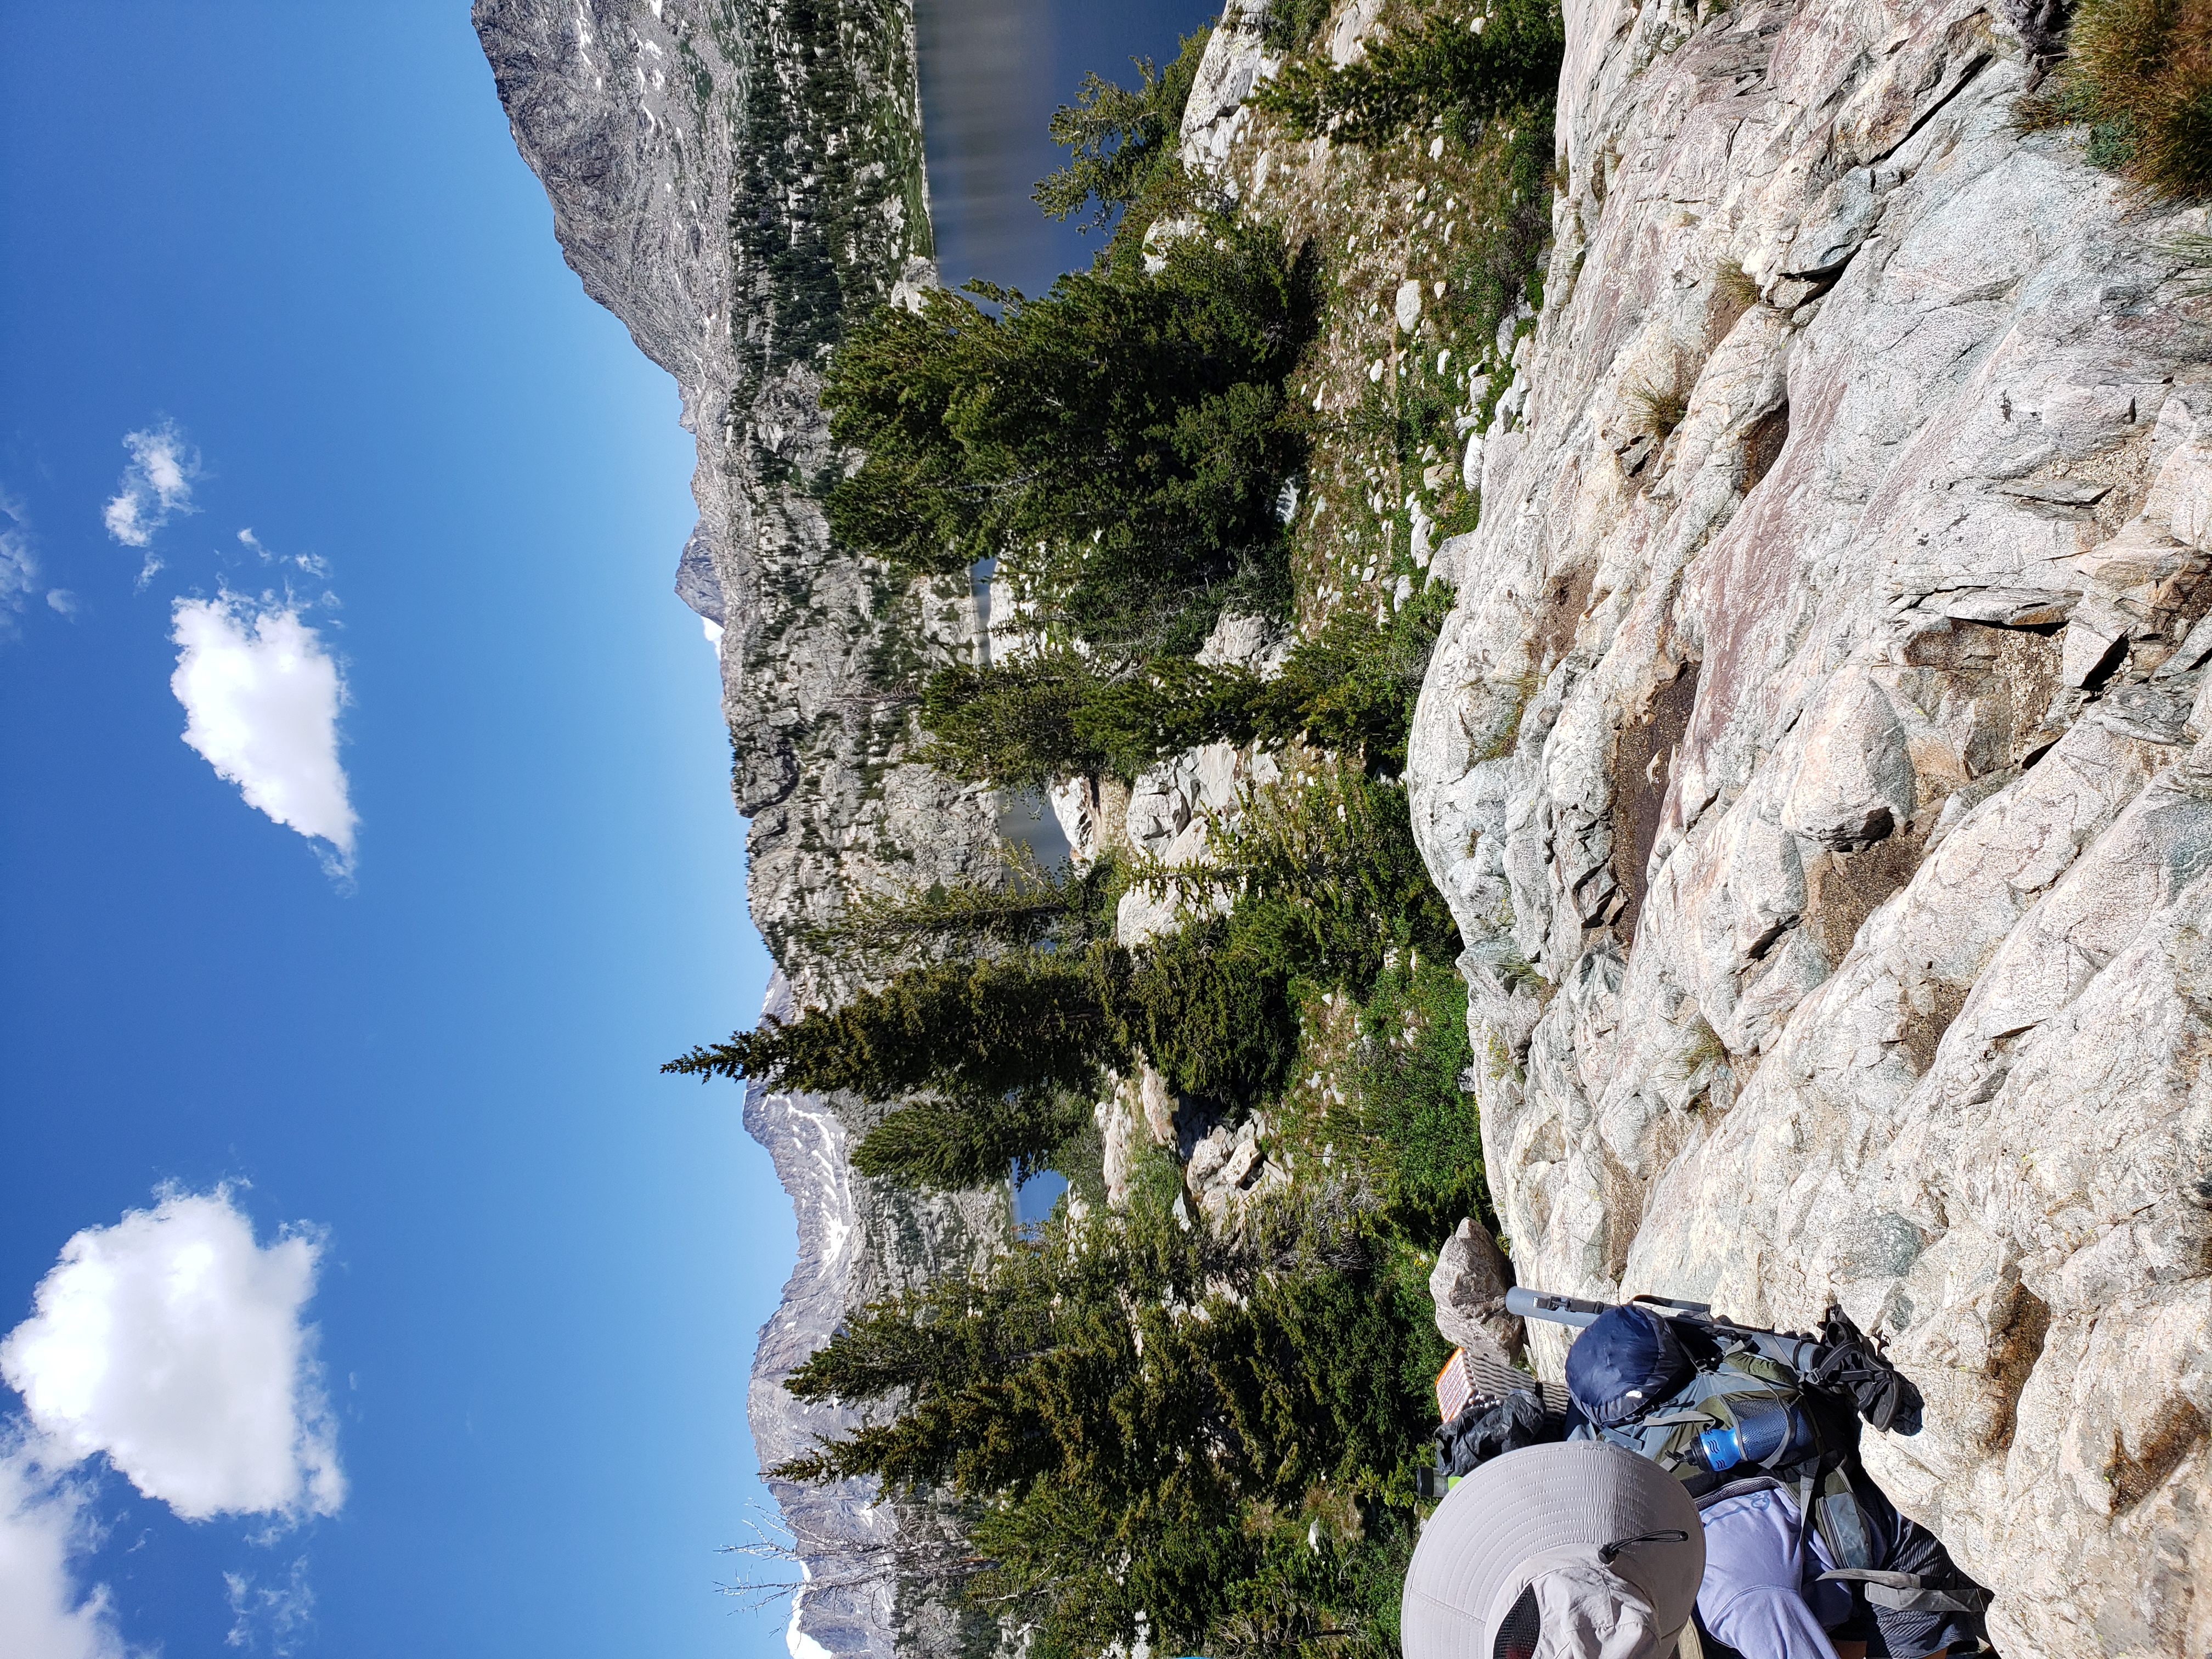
(731, 178)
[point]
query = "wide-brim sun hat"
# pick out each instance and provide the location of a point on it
(1575, 1550)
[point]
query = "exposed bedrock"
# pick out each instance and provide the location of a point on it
(1817, 768)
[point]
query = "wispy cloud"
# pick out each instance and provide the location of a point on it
(45, 1522)
(18, 566)
(283, 1613)
(312, 564)
(261, 699)
(155, 487)
(175, 1344)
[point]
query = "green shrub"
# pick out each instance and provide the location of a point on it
(1508, 234)
(1326, 880)
(1212, 1014)
(1447, 72)
(1414, 1130)
(2138, 74)
(1351, 688)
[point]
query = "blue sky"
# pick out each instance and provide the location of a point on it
(300, 236)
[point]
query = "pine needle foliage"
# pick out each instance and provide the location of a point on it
(1117, 446)
(1022, 904)
(1023, 724)
(2138, 74)
(969, 1144)
(1449, 73)
(990, 1063)
(1121, 141)
(1136, 1412)
(1212, 1014)
(1326, 879)
(1024, 1024)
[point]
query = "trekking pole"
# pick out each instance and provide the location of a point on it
(1799, 1353)
(1559, 1310)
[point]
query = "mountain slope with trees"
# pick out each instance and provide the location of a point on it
(1173, 1414)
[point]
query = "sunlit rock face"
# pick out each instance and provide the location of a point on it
(734, 192)
(1814, 765)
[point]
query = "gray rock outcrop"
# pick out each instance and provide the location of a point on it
(1814, 764)
(1228, 1166)
(732, 191)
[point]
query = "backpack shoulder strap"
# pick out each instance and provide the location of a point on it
(1909, 1592)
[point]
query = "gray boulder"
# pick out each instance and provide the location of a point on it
(1468, 1286)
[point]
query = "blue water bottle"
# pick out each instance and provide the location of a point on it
(1772, 1437)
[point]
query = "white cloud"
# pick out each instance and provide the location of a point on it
(60, 599)
(155, 487)
(313, 563)
(18, 566)
(42, 1524)
(261, 698)
(283, 1612)
(174, 1343)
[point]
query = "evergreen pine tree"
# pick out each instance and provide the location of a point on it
(1124, 1401)
(1117, 445)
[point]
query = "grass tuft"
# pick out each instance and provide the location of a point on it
(1291, 25)
(1521, 690)
(2138, 74)
(1659, 409)
(1735, 285)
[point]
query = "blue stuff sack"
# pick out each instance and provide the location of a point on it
(1625, 1363)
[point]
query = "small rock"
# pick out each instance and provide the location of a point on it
(1408, 306)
